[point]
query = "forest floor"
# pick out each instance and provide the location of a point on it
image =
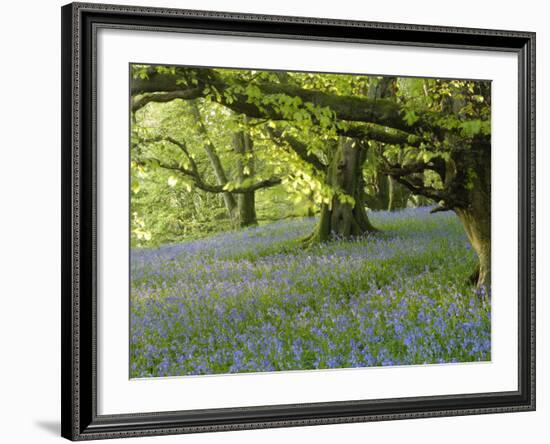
(252, 300)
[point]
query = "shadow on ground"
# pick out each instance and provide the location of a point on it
(53, 427)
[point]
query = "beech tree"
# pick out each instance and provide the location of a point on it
(430, 136)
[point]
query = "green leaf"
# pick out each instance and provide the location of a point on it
(471, 128)
(410, 117)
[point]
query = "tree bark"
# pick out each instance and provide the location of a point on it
(476, 216)
(247, 209)
(221, 176)
(245, 169)
(468, 180)
(477, 224)
(341, 218)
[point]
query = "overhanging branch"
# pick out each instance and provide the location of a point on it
(405, 175)
(166, 86)
(140, 101)
(298, 147)
(204, 186)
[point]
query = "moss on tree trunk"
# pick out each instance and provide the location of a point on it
(476, 220)
(343, 218)
(476, 215)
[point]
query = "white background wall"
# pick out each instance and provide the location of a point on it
(30, 221)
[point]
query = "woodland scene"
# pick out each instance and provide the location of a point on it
(287, 220)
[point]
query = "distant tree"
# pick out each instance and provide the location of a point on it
(154, 149)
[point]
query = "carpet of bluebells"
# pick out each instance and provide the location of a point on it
(253, 301)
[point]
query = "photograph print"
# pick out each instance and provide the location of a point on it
(285, 220)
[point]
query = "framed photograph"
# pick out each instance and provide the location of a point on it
(280, 221)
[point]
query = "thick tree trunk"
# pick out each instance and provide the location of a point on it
(476, 216)
(245, 169)
(247, 209)
(477, 223)
(342, 218)
(479, 235)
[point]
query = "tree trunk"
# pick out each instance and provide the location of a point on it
(221, 176)
(247, 209)
(344, 219)
(391, 193)
(476, 216)
(478, 228)
(398, 195)
(379, 196)
(245, 169)
(228, 198)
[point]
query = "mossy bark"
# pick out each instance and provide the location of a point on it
(342, 218)
(476, 215)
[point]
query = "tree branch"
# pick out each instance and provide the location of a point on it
(379, 133)
(350, 108)
(298, 147)
(180, 144)
(414, 184)
(202, 185)
(421, 190)
(140, 101)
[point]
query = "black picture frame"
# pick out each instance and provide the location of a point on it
(80, 420)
